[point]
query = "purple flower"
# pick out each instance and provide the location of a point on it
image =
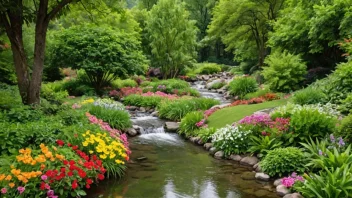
(300, 178)
(320, 152)
(288, 181)
(341, 142)
(294, 175)
(332, 138)
(44, 177)
(50, 193)
(3, 190)
(21, 189)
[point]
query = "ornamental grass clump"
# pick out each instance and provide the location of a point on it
(191, 122)
(231, 140)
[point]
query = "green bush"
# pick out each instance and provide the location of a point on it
(283, 161)
(76, 87)
(242, 86)
(206, 133)
(117, 119)
(23, 114)
(51, 109)
(309, 96)
(346, 105)
(263, 144)
(188, 123)
(218, 85)
(345, 128)
(257, 94)
(207, 68)
(310, 123)
(142, 101)
(236, 71)
(177, 109)
(231, 140)
(118, 83)
(54, 92)
(10, 97)
(187, 92)
(285, 71)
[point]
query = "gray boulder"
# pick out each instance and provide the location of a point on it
(172, 126)
(293, 195)
(207, 146)
(236, 158)
(219, 155)
(281, 190)
(249, 161)
(262, 176)
(277, 182)
(131, 132)
(212, 150)
(155, 114)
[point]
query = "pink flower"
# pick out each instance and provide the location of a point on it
(3, 191)
(44, 177)
(288, 181)
(21, 189)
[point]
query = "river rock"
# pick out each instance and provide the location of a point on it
(221, 106)
(221, 91)
(210, 84)
(138, 129)
(132, 108)
(262, 176)
(200, 141)
(277, 182)
(142, 109)
(219, 155)
(194, 139)
(131, 132)
(248, 175)
(207, 146)
(155, 114)
(281, 190)
(293, 195)
(249, 161)
(236, 158)
(205, 77)
(257, 167)
(172, 126)
(212, 150)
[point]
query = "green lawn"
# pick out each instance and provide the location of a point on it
(232, 114)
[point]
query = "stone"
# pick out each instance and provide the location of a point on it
(212, 150)
(207, 146)
(150, 110)
(221, 106)
(258, 168)
(262, 177)
(131, 132)
(236, 158)
(281, 190)
(194, 139)
(142, 109)
(261, 193)
(293, 195)
(248, 175)
(205, 77)
(132, 108)
(219, 155)
(172, 126)
(277, 182)
(200, 141)
(141, 158)
(155, 114)
(210, 84)
(138, 129)
(221, 91)
(249, 161)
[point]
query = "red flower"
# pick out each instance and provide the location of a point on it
(68, 144)
(75, 147)
(87, 186)
(101, 176)
(70, 174)
(74, 184)
(60, 142)
(65, 162)
(63, 170)
(82, 174)
(89, 181)
(42, 186)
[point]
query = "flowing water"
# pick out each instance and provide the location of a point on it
(165, 165)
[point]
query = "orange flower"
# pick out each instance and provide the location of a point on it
(42, 166)
(2, 177)
(11, 185)
(8, 178)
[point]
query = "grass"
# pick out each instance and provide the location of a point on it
(232, 114)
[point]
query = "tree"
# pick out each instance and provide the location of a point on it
(102, 53)
(172, 37)
(243, 25)
(13, 15)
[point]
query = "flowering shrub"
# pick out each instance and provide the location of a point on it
(191, 122)
(289, 181)
(161, 94)
(87, 101)
(125, 91)
(210, 111)
(109, 104)
(287, 110)
(231, 140)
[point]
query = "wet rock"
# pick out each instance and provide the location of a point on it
(194, 139)
(248, 175)
(142, 109)
(138, 129)
(236, 158)
(200, 141)
(249, 161)
(277, 182)
(141, 158)
(219, 155)
(155, 114)
(172, 126)
(262, 176)
(205, 77)
(221, 91)
(257, 167)
(131, 132)
(207, 146)
(212, 150)
(150, 110)
(132, 108)
(293, 195)
(281, 190)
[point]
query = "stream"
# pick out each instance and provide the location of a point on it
(166, 165)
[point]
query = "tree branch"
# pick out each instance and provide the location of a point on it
(57, 9)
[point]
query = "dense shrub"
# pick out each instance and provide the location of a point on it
(116, 118)
(175, 110)
(242, 86)
(218, 85)
(54, 92)
(167, 86)
(283, 161)
(285, 71)
(189, 123)
(257, 94)
(231, 140)
(309, 96)
(77, 87)
(263, 144)
(206, 133)
(236, 71)
(207, 68)
(345, 128)
(346, 105)
(118, 83)
(10, 97)
(23, 114)
(51, 109)
(142, 101)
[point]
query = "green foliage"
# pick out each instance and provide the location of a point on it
(54, 92)
(171, 86)
(236, 71)
(263, 144)
(308, 123)
(118, 83)
(242, 86)
(333, 183)
(206, 133)
(23, 114)
(117, 119)
(345, 128)
(177, 109)
(285, 71)
(346, 105)
(102, 53)
(51, 109)
(171, 36)
(207, 68)
(77, 87)
(188, 123)
(142, 101)
(283, 161)
(309, 96)
(231, 140)
(257, 94)
(10, 97)
(218, 85)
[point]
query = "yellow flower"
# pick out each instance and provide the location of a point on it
(119, 161)
(85, 143)
(112, 155)
(102, 156)
(8, 178)
(11, 185)
(2, 177)
(91, 152)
